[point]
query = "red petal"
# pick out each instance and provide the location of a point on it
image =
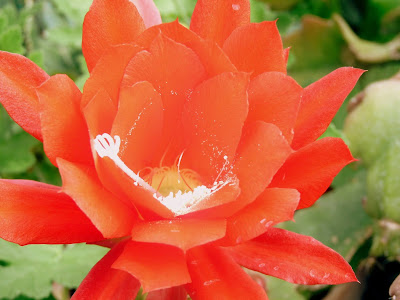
(273, 206)
(311, 169)
(174, 70)
(64, 130)
(112, 217)
(105, 283)
(100, 113)
(275, 98)
(174, 293)
(37, 213)
(213, 120)
(256, 48)
(261, 152)
(156, 266)
(107, 24)
(210, 54)
(139, 124)
(216, 276)
(18, 79)
(215, 20)
(184, 234)
(320, 102)
(108, 73)
(148, 11)
(293, 257)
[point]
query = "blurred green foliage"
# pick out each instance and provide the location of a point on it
(49, 32)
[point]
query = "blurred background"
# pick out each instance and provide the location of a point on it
(359, 216)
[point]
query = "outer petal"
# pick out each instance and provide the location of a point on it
(215, 20)
(256, 48)
(38, 213)
(105, 283)
(174, 70)
(320, 102)
(64, 130)
(293, 257)
(108, 73)
(275, 98)
(139, 124)
(156, 266)
(18, 79)
(112, 217)
(174, 293)
(216, 276)
(273, 206)
(213, 120)
(184, 234)
(109, 23)
(148, 11)
(311, 169)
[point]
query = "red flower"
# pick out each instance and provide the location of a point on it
(184, 150)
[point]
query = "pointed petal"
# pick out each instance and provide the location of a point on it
(18, 79)
(275, 98)
(293, 257)
(37, 213)
(139, 124)
(256, 48)
(148, 11)
(311, 169)
(184, 234)
(320, 102)
(215, 20)
(156, 266)
(107, 24)
(213, 120)
(210, 54)
(108, 73)
(104, 283)
(112, 217)
(174, 293)
(273, 206)
(174, 70)
(64, 130)
(215, 275)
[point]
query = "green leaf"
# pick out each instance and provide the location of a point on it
(170, 10)
(31, 269)
(337, 219)
(11, 40)
(281, 290)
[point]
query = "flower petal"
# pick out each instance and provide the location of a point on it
(275, 98)
(156, 266)
(109, 23)
(213, 120)
(273, 206)
(148, 11)
(174, 70)
(108, 73)
(18, 79)
(311, 169)
(256, 48)
(64, 130)
(174, 293)
(111, 216)
(103, 282)
(139, 124)
(320, 102)
(184, 234)
(215, 20)
(293, 257)
(38, 213)
(215, 275)
(210, 54)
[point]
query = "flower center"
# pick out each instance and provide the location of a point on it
(167, 180)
